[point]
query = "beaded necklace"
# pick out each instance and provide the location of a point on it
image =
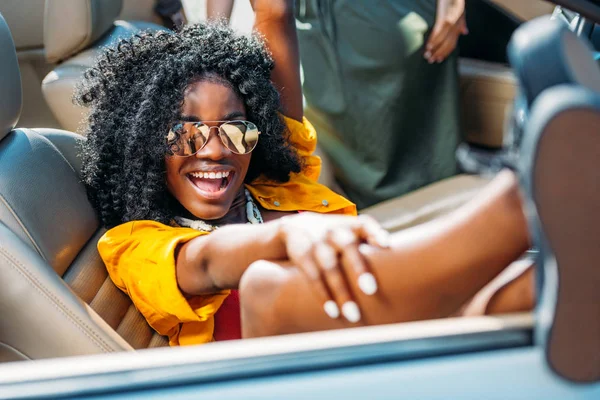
(252, 214)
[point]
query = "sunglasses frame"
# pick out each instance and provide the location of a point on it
(220, 133)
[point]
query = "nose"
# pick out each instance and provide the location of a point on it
(214, 148)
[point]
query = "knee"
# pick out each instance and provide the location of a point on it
(259, 289)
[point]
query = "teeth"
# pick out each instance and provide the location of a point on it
(210, 175)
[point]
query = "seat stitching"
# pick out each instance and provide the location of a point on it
(129, 327)
(16, 217)
(57, 303)
(80, 325)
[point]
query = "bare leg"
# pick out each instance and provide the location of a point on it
(430, 271)
(511, 291)
(216, 9)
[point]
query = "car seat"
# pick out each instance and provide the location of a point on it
(74, 34)
(56, 298)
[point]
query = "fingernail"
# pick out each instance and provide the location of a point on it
(427, 54)
(331, 309)
(328, 259)
(383, 239)
(367, 283)
(351, 312)
(345, 237)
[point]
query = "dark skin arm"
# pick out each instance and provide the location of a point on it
(275, 21)
(430, 271)
(209, 263)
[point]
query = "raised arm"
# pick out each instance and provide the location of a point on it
(275, 21)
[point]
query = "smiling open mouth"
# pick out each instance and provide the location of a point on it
(211, 182)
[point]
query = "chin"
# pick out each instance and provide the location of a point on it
(209, 212)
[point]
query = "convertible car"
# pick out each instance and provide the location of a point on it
(530, 92)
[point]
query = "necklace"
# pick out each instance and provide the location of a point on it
(252, 214)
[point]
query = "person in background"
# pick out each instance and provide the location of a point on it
(381, 86)
(173, 14)
(218, 9)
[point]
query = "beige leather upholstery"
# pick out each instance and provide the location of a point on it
(58, 88)
(487, 91)
(525, 9)
(25, 19)
(71, 26)
(427, 203)
(10, 82)
(55, 297)
(78, 47)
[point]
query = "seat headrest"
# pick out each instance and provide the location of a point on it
(545, 53)
(10, 81)
(71, 26)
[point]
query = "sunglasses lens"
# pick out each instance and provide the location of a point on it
(186, 138)
(240, 136)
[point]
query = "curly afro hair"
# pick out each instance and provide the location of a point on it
(136, 91)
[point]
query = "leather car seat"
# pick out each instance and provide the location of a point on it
(428, 203)
(74, 34)
(55, 296)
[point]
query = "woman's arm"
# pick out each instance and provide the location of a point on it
(213, 262)
(210, 263)
(275, 21)
(430, 271)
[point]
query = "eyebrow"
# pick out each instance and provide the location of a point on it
(228, 117)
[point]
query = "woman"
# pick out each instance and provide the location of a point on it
(381, 87)
(185, 136)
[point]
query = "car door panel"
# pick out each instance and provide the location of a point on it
(487, 91)
(499, 374)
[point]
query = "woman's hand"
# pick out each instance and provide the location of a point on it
(450, 23)
(320, 245)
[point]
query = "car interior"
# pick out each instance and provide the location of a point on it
(105, 318)
(52, 280)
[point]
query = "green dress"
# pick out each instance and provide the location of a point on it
(388, 120)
